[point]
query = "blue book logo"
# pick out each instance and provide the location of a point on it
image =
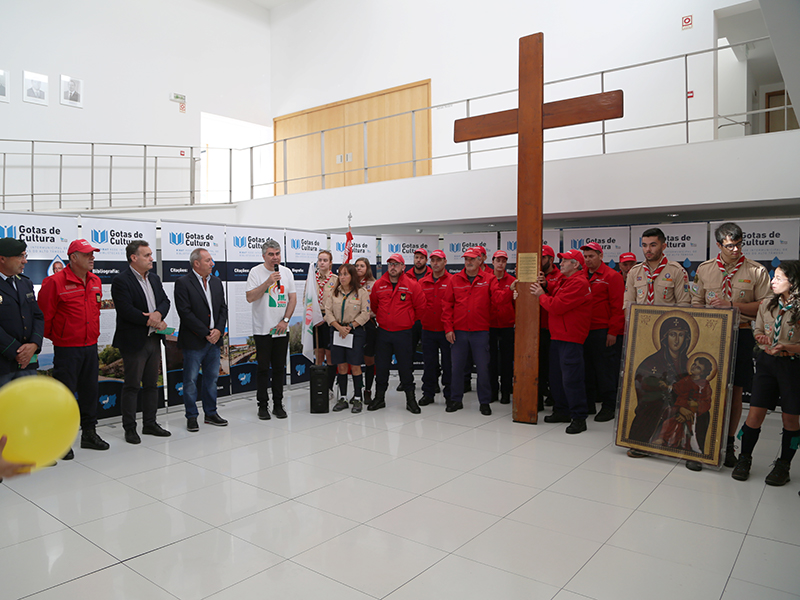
(176, 239)
(99, 236)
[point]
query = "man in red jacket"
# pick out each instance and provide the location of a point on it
(70, 301)
(434, 341)
(501, 332)
(550, 280)
(569, 311)
(466, 306)
(398, 302)
(418, 270)
(608, 322)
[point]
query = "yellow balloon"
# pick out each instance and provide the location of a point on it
(40, 417)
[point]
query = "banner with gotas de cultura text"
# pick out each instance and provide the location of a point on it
(767, 242)
(363, 246)
(178, 240)
(112, 237)
(613, 240)
(454, 245)
(243, 252)
(302, 248)
(405, 246)
(48, 238)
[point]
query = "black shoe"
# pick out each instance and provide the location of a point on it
(633, 453)
(486, 409)
(780, 473)
(741, 472)
(730, 456)
(92, 441)
(453, 406)
(557, 418)
(191, 424)
(132, 437)
(577, 426)
(693, 465)
(356, 405)
(340, 405)
(377, 403)
(263, 411)
(367, 396)
(425, 400)
(411, 403)
(215, 420)
(278, 410)
(505, 400)
(400, 387)
(605, 414)
(69, 455)
(156, 430)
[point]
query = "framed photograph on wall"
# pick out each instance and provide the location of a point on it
(676, 384)
(34, 88)
(71, 91)
(5, 80)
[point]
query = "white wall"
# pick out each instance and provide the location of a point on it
(328, 50)
(131, 55)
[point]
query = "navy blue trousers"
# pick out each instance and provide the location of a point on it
(399, 344)
(478, 343)
(567, 379)
(601, 372)
(435, 343)
(77, 367)
(501, 361)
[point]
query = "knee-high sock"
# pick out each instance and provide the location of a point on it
(342, 380)
(789, 442)
(369, 372)
(358, 384)
(332, 371)
(749, 439)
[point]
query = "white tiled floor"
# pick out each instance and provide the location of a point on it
(394, 505)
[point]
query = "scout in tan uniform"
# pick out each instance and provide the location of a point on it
(657, 280)
(728, 280)
(777, 332)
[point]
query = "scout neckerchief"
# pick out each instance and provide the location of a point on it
(344, 301)
(776, 331)
(321, 285)
(651, 279)
(727, 276)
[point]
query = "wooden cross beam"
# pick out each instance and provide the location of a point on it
(529, 121)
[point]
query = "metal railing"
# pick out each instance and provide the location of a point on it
(154, 175)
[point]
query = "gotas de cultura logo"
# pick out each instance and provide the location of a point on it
(193, 240)
(29, 233)
(114, 237)
(302, 244)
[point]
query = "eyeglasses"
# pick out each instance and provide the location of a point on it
(732, 246)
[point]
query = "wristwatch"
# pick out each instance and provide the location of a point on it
(285, 319)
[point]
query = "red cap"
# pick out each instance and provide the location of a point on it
(593, 246)
(500, 254)
(472, 252)
(574, 255)
(81, 246)
(439, 253)
(548, 251)
(627, 257)
(421, 251)
(396, 258)
(481, 249)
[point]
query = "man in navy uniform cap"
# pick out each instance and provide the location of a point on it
(21, 320)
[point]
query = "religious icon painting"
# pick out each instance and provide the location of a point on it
(676, 381)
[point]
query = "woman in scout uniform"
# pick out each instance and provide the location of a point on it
(346, 311)
(777, 333)
(367, 280)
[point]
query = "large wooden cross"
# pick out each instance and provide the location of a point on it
(529, 121)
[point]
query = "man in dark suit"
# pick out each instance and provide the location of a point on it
(141, 306)
(200, 301)
(21, 319)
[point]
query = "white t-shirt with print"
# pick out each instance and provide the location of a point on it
(270, 309)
